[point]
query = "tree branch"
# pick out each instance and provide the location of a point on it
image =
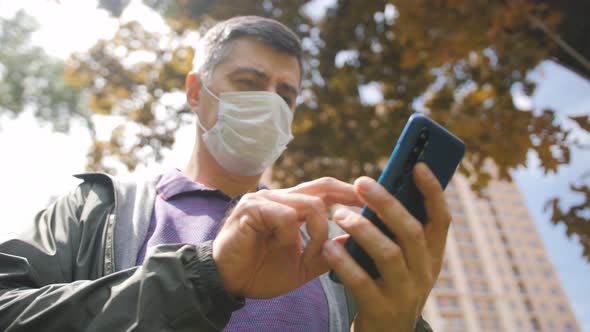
(538, 23)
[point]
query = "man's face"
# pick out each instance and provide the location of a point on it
(250, 66)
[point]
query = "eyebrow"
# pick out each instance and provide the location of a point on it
(262, 75)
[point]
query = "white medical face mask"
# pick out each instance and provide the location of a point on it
(253, 128)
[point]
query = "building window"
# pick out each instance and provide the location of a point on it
(496, 324)
(561, 308)
(447, 302)
(451, 196)
(490, 305)
(457, 322)
(490, 324)
(445, 284)
(484, 288)
(479, 271)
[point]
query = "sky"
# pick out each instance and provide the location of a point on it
(40, 165)
(568, 94)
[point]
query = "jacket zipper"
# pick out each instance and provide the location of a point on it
(109, 255)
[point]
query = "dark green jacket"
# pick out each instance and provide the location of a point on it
(62, 274)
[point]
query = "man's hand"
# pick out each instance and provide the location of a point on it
(408, 268)
(259, 251)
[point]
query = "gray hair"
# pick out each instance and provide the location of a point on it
(215, 45)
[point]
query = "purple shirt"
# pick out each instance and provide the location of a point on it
(189, 212)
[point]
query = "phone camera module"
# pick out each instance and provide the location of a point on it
(423, 136)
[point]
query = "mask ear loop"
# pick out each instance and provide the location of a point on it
(201, 126)
(211, 93)
(214, 96)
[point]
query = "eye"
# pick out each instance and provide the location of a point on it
(248, 83)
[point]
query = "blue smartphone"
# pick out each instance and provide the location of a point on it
(422, 140)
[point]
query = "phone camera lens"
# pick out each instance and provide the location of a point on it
(423, 135)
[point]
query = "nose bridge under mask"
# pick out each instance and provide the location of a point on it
(246, 98)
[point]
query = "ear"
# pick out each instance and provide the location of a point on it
(193, 87)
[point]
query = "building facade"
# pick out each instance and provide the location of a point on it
(496, 275)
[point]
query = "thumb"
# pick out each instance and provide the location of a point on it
(341, 238)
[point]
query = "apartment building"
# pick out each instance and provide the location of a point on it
(496, 275)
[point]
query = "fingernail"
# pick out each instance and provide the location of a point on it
(367, 186)
(341, 214)
(423, 169)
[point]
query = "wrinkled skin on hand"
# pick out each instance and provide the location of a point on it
(259, 251)
(408, 267)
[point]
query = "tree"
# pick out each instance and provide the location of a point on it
(128, 76)
(457, 60)
(575, 219)
(30, 79)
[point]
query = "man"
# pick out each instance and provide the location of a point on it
(207, 249)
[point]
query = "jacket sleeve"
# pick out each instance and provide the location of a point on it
(49, 279)
(423, 326)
